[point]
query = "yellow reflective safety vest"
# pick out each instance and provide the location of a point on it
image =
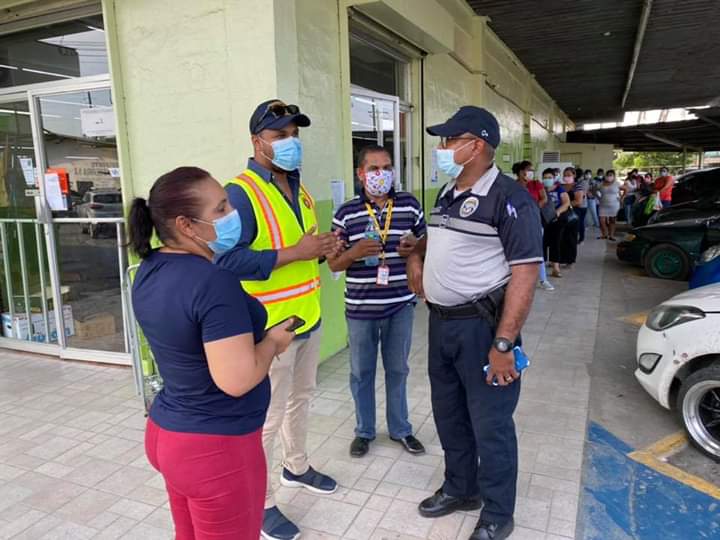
(293, 289)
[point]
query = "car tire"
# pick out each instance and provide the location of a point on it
(698, 405)
(667, 261)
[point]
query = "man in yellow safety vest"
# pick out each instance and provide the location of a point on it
(277, 259)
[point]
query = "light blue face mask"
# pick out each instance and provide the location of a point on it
(287, 153)
(227, 231)
(445, 159)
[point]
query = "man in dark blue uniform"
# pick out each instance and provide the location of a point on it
(481, 263)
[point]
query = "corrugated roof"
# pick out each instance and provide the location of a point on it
(563, 44)
(703, 133)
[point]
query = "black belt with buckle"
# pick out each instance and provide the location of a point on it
(489, 307)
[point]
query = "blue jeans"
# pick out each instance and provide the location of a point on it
(394, 335)
(593, 212)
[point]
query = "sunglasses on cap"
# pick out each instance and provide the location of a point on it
(278, 109)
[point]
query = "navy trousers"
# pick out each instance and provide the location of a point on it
(473, 419)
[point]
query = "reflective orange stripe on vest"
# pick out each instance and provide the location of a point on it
(279, 295)
(268, 213)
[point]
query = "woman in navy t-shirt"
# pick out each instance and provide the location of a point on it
(207, 336)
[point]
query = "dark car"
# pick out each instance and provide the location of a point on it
(703, 208)
(697, 185)
(670, 249)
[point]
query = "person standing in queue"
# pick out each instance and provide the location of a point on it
(526, 178)
(379, 308)
(481, 263)
(209, 341)
(277, 259)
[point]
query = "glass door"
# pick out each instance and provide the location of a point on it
(26, 308)
(77, 153)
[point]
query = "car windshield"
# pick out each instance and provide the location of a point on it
(107, 198)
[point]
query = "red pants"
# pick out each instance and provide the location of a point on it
(215, 483)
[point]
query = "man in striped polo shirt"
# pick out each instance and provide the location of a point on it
(381, 227)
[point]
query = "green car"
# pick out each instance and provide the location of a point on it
(670, 249)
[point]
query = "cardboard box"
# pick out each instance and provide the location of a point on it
(17, 328)
(97, 325)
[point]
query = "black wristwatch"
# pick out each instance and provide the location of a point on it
(502, 345)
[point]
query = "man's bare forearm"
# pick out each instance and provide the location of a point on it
(518, 300)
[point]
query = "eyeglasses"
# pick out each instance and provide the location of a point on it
(444, 141)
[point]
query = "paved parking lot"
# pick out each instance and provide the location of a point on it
(72, 464)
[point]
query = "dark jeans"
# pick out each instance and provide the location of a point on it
(582, 215)
(473, 419)
(394, 335)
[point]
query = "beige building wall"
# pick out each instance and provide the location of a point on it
(588, 156)
(188, 74)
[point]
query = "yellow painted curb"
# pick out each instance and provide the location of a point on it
(653, 456)
(668, 445)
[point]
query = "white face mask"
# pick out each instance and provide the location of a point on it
(530, 175)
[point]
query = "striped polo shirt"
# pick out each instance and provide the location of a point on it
(476, 236)
(364, 298)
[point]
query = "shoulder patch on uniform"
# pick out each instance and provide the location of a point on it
(511, 210)
(469, 206)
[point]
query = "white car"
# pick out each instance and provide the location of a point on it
(678, 356)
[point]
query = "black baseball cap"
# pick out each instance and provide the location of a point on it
(275, 114)
(470, 119)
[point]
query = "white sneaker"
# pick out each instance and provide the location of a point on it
(546, 286)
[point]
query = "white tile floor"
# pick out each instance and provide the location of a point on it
(72, 464)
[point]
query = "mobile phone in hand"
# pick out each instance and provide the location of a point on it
(297, 323)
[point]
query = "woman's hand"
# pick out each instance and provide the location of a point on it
(280, 336)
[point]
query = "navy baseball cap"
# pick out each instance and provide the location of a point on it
(470, 119)
(275, 114)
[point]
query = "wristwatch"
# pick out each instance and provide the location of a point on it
(502, 344)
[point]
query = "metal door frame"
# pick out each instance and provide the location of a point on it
(44, 218)
(359, 91)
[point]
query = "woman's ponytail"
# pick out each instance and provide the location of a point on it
(140, 227)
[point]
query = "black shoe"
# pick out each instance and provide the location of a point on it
(411, 444)
(359, 447)
(441, 504)
(492, 531)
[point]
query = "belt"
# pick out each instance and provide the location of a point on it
(488, 307)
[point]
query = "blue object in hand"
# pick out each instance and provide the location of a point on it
(521, 362)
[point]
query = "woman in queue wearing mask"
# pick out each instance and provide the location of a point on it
(571, 233)
(609, 206)
(525, 174)
(207, 336)
(628, 194)
(554, 231)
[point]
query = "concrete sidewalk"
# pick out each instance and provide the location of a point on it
(72, 464)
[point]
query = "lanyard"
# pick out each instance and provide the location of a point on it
(371, 212)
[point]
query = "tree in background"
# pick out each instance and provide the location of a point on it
(652, 161)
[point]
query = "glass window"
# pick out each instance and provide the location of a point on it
(59, 51)
(374, 69)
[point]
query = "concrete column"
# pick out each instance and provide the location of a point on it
(187, 76)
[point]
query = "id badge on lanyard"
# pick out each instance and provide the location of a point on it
(383, 272)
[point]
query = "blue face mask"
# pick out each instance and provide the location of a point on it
(548, 182)
(445, 159)
(227, 231)
(287, 153)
